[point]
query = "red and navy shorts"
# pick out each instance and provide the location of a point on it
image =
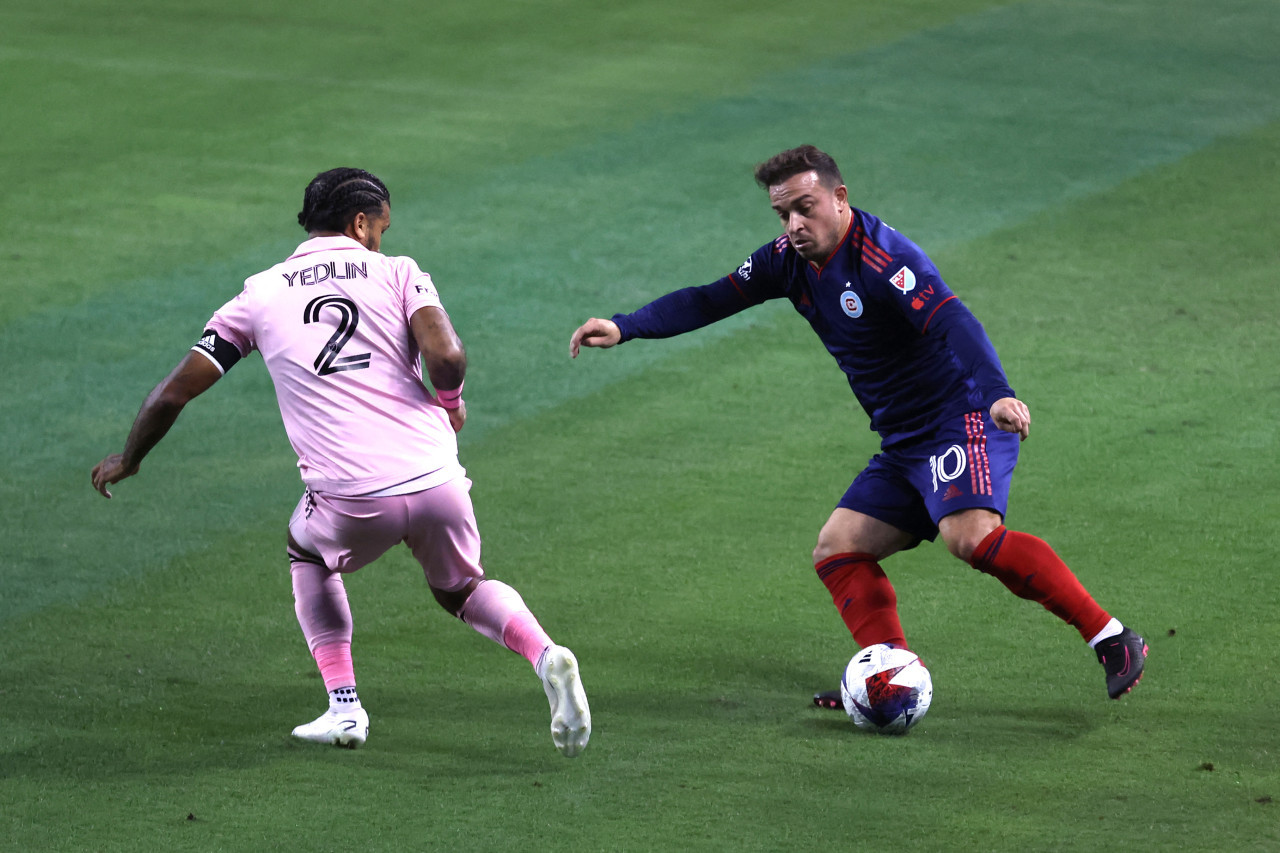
(967, 463)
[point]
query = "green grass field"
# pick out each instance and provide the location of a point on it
(1097, 181)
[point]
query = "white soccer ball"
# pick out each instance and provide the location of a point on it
(886, 690)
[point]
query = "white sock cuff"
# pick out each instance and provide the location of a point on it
(1112, 628)
(343, 698)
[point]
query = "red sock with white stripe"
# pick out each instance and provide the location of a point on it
(1032, 570)
(862, 593)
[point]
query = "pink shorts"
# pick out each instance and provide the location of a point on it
(437, 524)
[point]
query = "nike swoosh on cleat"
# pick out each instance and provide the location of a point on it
(1122, 673)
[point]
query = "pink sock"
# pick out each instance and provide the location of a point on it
(335, 665)
(320, 602)
(524, 636)
(497, 611)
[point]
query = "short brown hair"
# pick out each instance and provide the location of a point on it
(796, 161)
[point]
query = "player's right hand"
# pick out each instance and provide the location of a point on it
(110, 470)
(1012, 415)
(458, 416)
(595, 333)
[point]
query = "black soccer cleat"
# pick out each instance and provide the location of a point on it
(1123, 657)
(830, 699)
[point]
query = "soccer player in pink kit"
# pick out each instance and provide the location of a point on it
(344, 330)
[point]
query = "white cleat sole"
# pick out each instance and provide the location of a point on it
(570, 714)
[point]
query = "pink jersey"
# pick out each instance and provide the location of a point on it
(332, 324)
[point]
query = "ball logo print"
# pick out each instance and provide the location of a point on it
(947, 466)
(885, 700)
(886, 690)
(851, 304)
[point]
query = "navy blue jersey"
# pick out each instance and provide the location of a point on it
(914, 355)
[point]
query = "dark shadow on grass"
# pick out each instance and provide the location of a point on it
(1010, 725)
(1017, 729)
(441, 733)
(1033, 724)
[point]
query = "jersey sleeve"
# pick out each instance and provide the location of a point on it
(973, 349)
(931, 307)
(694, 307)
(419, 290)
(228, 336)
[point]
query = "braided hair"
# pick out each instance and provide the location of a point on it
(333, 199)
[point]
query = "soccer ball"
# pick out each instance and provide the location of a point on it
(886, 690)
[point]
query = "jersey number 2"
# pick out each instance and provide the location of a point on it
(348, 318)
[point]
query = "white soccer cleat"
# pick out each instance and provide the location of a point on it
(570, 715)
(349, 728)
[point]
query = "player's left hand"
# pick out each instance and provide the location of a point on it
(110, 470)
(1012, 415)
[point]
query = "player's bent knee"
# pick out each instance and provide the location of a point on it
(828, 548)
(965, 531)
(877, 547)
(963, 543)
(454, 600)
(962, 549)
(850, 532)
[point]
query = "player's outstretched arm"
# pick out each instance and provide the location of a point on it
(194, 375)
(1012, 415)
(594, 333)
(445, 358)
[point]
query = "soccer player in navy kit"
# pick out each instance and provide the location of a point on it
(924, 370)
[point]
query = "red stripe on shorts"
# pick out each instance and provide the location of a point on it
(979, 463)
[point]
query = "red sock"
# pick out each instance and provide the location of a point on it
(865, 598)
(1032, 570)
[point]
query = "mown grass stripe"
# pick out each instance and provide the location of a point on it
(663, 534)
(949, 132)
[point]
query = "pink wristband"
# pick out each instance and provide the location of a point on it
(450, 399)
